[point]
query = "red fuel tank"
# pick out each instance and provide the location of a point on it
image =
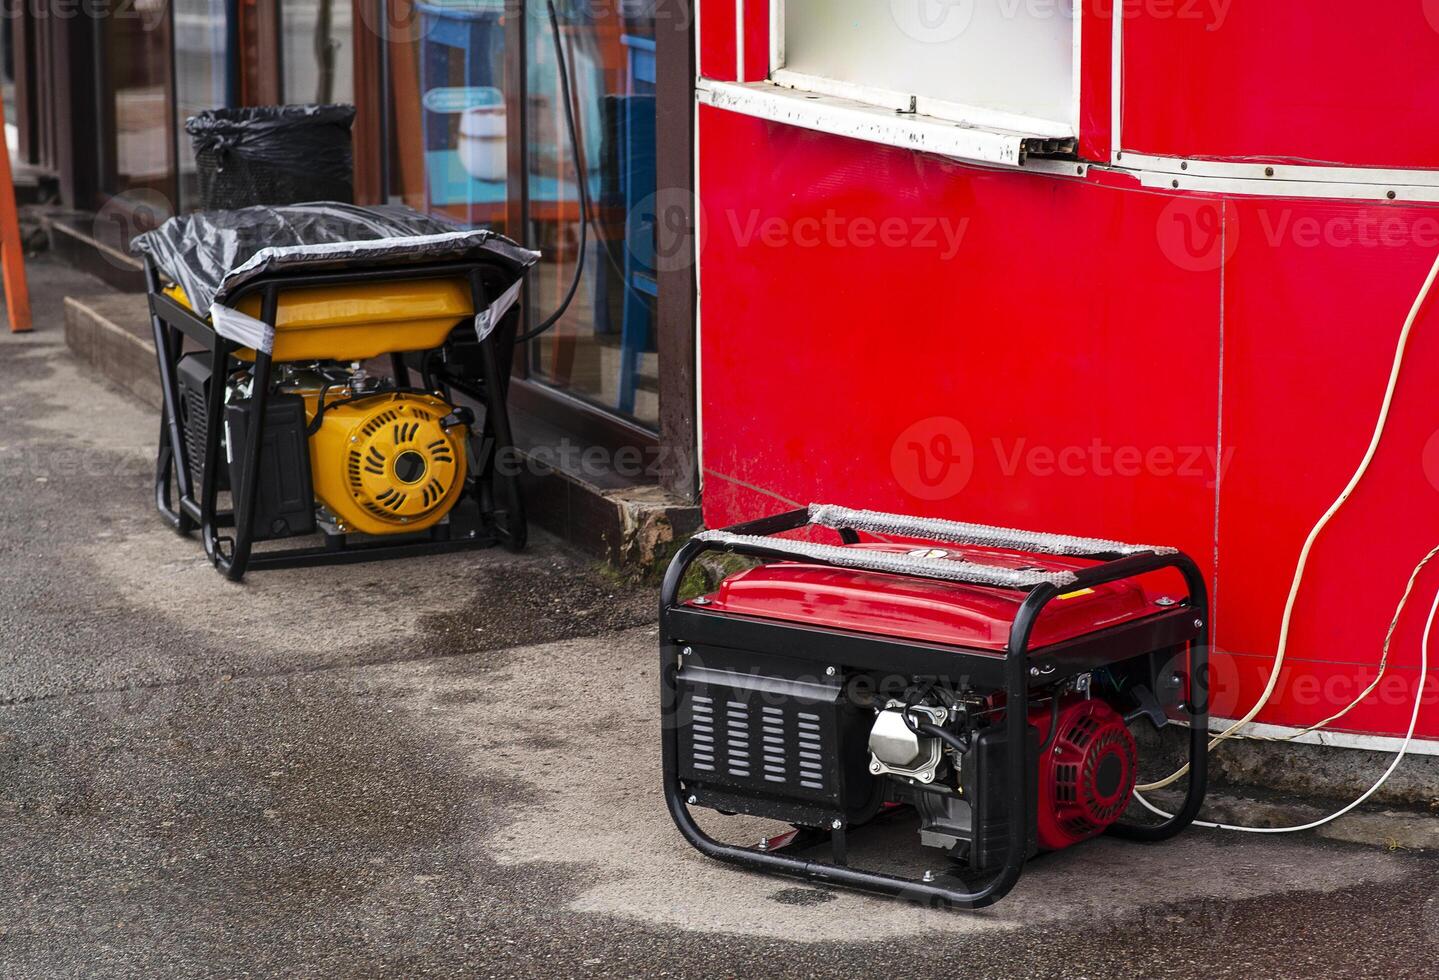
(930, 610)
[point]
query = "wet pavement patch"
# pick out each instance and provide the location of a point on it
(801, 896)
(100, 594)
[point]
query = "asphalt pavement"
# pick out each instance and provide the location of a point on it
(450, 767)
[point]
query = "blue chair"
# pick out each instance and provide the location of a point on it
(470, 30)
(637, 183)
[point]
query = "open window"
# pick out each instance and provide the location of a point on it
(988, 80)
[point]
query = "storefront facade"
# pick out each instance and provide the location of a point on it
(459, 113)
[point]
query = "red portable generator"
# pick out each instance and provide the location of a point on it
(985, 677)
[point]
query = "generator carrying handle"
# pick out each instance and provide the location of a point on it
(847, 519)
(1016, 687)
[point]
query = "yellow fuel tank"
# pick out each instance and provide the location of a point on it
(357, 322)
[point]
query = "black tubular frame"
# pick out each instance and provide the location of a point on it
(197, 507)
(1015, 671)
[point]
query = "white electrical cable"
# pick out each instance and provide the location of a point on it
(1383, 662)
(1403, 748)
(1319, 526)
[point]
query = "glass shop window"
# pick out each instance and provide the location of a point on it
(317, 51)
(603, 350)
(199, 78)
(455, 104)
(989, 62)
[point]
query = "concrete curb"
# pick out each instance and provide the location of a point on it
(101, 332)
(1390, 829)
(1326, 771)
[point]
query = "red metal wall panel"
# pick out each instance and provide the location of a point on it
(1283, 80)
(1310, 692)
(1096, 40)
(898, 331)
(1316, 293)
(756, 40)
(716, 40)
(891, 330)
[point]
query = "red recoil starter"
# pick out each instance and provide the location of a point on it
(1087, 772)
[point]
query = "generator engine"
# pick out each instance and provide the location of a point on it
(1085, 764)
(345, 452)
(943, 755)
(983, 679)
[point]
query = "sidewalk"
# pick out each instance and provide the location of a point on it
(450, 767)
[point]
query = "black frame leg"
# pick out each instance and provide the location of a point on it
(500, 462)
(166, 465)
(234, 565)
(172, 470)
(210, 467)
(1198, 711)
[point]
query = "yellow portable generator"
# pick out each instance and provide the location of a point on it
(335, 369)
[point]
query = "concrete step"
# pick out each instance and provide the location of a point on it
(631, 525)
(111, 333)
(34, 185)
(97, 246)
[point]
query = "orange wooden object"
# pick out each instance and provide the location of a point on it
(12, 251)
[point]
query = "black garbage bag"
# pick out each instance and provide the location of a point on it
(211, 253)
(285, 154)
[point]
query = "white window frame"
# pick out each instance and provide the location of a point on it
(971, 133)
(896, 101)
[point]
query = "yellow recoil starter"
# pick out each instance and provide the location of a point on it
(386, 464)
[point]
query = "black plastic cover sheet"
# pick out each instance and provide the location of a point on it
(210, 254)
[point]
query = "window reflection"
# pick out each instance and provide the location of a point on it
(603, 349)
(199, 27)
(451, 117)
(137, 54)
(317, 42)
